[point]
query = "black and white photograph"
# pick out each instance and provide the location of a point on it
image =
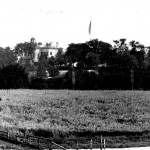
(74, 74)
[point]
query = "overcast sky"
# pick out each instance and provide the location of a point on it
(67, 21)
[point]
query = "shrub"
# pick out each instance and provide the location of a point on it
(38, 83)
(56, 83)
(13, 76)
(84, 80)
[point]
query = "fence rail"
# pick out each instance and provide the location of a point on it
(44, 143)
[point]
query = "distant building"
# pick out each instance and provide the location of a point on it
(47, 50)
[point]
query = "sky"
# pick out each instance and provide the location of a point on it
(67, 21)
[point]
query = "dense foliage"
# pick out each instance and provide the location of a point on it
(7, 57)
(97, 65)
(26, 48)
(13, 76)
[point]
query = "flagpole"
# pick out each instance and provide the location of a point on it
(90, 36)
(90, 29)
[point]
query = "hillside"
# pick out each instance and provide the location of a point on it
(66, 113)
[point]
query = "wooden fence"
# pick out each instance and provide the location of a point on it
(45, 143)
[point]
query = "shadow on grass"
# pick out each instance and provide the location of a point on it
(113, 139)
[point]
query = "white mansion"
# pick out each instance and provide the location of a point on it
(48, 50)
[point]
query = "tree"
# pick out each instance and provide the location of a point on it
(78, 52)
(138, 51)
(7, 57)
(105, 52)
(123, 56)
(42, 66)
(60, 58)
(14, 76)
(26, 48)
(121, 46)
(71, 53)
(25, 53)
(147, 58)
(52, 61)
(102, 49)
(53, 71)
(91, 59)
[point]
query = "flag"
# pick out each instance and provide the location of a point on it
(90, 28)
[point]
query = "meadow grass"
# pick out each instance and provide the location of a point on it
(68, 113)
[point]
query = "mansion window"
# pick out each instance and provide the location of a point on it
(44, 53)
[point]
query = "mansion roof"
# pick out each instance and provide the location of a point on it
(45, 47)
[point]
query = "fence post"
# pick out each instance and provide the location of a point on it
(104, 143)
(28, 139)
(101, 145)
(50, 145)
(91, 144)
(77, 146)
(8, 134)
(38, 142)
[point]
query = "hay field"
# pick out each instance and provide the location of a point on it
(66, 110)
(123, 117)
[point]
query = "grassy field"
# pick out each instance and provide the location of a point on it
(119, 115)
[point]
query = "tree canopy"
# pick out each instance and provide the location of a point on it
(122, 54)
(82, 53)
(7, 57)
(26, 48)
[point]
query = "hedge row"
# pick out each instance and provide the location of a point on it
(106, 78)
(14, 77)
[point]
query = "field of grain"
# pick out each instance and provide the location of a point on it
(66, 111)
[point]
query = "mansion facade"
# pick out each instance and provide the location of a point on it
(47, 50)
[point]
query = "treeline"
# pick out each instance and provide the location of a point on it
(105, 78)
(111, 66)
(97, 65)
(14, 77)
